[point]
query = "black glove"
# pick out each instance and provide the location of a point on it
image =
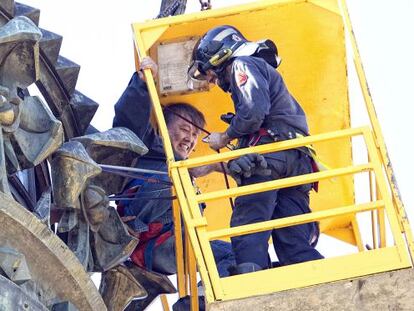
(248, 165)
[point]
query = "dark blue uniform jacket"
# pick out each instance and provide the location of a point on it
(261, 99)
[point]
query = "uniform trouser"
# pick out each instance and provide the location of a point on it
(292, 244)
(163, 260)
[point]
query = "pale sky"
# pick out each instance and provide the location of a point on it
(97, 35)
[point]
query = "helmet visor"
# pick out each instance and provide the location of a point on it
(195, 73)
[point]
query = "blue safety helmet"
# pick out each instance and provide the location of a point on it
(214, 51)
(219, 46)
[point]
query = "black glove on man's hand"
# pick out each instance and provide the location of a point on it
(248, 165)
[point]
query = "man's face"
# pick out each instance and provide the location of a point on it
(183, 136)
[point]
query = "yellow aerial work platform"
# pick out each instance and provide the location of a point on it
(310, 35)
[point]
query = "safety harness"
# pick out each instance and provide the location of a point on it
(156, 234)
(264, 133)
(271, 134)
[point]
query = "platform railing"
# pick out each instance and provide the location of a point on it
(365, 262)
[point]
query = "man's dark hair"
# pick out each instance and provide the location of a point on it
(174, 111)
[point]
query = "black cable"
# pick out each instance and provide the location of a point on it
(118, 198)
(226, 179)
(138, 176)
(185, 119)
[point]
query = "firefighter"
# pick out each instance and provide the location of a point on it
(265, 112)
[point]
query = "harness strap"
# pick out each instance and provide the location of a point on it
(311, 152)
(165, 233)
(255, 137)
(156, 235)
(317, 164)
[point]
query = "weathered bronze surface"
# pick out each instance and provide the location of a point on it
(95, 204)
(29, 131)
(96, 237)
(4, 184)
(13, 297)
(154, 283)
(78, 241)
(42, 208)
(71, 168)
(14, 265)
(36, 259)
(68, 221)
(64, 306)
(19, 45)
(119, 287)
(112, 244)
(55, 268)
(117, 146)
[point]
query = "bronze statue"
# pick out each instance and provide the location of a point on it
(76, 195)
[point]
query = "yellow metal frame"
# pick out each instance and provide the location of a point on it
(379, 138)
(327, 270)
(327, 98)
(385, 203)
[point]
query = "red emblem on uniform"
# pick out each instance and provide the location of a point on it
(241, 78)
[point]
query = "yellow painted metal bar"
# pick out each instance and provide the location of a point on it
(201, 233)
(374, 229)
(136, 59)
(179, 251)
(186, 262)
(211, 265)
(164, 303)
(202, 268)
(357, 235)
(192, 223)
(200, 230)
(223, 12)
(150, 36)
(377, 130)
(373, 213)
(273, 147)
(152, 90)
(189, 190)
(382, 186)
(373, 153)
(283, 183)
(293, 220)
(312, 273)
(193, 277)
(381, 221)
(380, 230)
(381, 224)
